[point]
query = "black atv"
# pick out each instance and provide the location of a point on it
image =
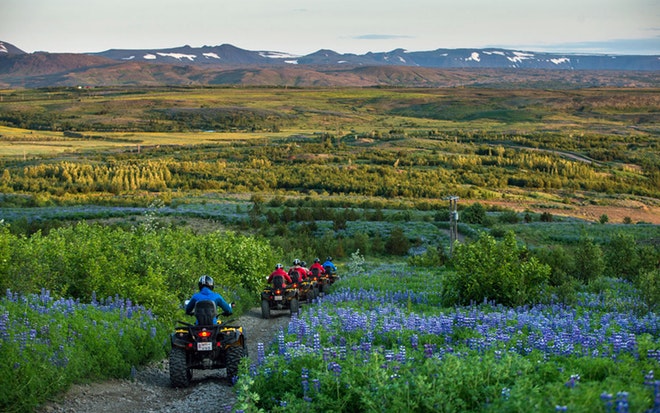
(307, 289)
(331, 274)
(278, 296)
(205, 345)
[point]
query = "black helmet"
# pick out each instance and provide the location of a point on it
(279, 266)
(317, 260)
(329, 259)
(205, 281)
(296, 262)
(303, 264)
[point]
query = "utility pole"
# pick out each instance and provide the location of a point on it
(453, 223)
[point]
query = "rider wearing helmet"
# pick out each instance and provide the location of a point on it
(279, 270)
(303, 265)
(206, 292)
(317, 265)
(301, 271)
(329, 264)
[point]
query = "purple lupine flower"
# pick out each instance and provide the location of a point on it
(414, 341)
(335, 368)
(572, 381)
(4, 326)
(622, 402)
(607, 399)
(305, 380)
(261, 353)
(428, 350)
(317, 343)
(280, 342)
(506, 393)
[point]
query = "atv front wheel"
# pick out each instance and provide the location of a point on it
(294, 306)
(234, 356)
(180, 374)
(265, 309)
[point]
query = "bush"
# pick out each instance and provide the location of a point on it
(589, 262)
(474, 214)
(397, 243)
(502, 272)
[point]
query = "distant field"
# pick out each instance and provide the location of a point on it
(582, 152)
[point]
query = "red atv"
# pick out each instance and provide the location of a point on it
(279, 296)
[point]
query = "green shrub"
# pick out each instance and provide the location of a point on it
(499, 271)
(589, 261)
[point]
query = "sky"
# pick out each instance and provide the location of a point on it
(302, 27)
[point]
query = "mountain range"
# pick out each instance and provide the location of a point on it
(230, 65)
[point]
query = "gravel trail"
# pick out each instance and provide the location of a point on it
(151, 391)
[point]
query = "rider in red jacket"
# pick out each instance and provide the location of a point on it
(301, 271)
(279, 270)
(317, 265)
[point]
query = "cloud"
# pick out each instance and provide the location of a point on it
(381, 37)
(650, 46)
(642, 46)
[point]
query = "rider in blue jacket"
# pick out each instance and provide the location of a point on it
(206, 292)
(329, 264)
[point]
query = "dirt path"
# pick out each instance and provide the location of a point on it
(151, 391)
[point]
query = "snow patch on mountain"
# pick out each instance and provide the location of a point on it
(211, 55)
(474, 56)
(150, 56)
(520, 56)
(179, 56)
(561, 60)
(3, 48)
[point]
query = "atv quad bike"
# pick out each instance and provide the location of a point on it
(307, 288)
(205, 345)
(279, 296)
(322, 280)
(331, 274)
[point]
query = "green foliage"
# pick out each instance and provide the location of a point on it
(432, 257)
(397, 243)
(648, 283)
(589, 260)
(474, 214)
(501, 272)
(49, 344)
(157, 268)
(357, 264)
(622, 256)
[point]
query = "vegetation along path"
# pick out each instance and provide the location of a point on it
(150, 390)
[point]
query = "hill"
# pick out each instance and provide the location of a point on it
(230, 65)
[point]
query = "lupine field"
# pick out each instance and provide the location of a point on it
(46, 344)
(382, 342)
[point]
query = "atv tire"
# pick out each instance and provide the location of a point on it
(180, 374)
(265, 309)
(294, 306)
(234, 356)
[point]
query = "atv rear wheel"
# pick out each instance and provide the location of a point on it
(265, 309)
(294, 306)
(180, 374)
(234, 356)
